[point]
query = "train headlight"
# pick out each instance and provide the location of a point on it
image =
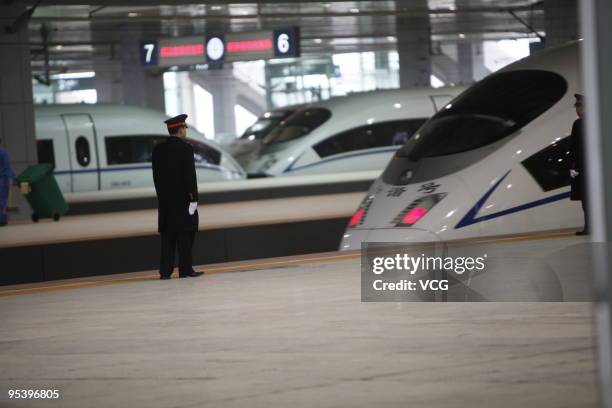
(359, 216)
(356, 218)
(417, 210)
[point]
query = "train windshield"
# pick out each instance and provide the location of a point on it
(203, 153)
(490, 110)
(298, 125)
(265, 124)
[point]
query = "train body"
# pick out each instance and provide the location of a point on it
(494, 161)
(106, 147)
(357, 132)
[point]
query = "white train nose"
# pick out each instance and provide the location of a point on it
(352, 239)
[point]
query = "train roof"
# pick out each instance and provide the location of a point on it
(383, 95)
(563, 59)
(132, 119)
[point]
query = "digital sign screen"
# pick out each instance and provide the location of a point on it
(168, 52)
(283, 43)
(245, 46)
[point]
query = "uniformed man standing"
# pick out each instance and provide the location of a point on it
(177, 194)
(577, 168)
(6, 177)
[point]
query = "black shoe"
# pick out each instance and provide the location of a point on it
(583, 232)
(164, 277)
(192, 274)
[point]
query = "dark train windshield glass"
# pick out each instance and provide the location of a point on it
(490, 110)
(265, 124)
(298, 125)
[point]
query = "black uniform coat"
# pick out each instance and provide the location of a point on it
(577, 155)
(176, 185)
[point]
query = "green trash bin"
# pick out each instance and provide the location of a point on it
(40, 188)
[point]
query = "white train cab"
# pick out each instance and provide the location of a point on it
(358, 132)
(494, 161)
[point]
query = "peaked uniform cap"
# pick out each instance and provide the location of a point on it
(176, 121)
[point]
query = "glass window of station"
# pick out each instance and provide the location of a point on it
(492, 109)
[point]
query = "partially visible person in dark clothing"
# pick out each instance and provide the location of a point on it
(6, 177)
(577, 167)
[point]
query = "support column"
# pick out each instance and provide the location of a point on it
(140, 87)
(107, 67)
(560, 21)
(17, 133)
(465, 65)
(595, 17)
(413, 45)
(220, 85)
(120, 77)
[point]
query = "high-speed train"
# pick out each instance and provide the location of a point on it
(104, 147)
(494, 161)
(356, 132)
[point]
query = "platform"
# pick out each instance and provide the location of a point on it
(291, 333)
(126, 242)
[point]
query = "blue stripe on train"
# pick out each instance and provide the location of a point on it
(470, 218)
(110, 169)
(385, 150)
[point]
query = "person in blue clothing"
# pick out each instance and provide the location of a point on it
(6, 177)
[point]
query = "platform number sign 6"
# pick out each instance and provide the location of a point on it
(282, 43)
(286, 43)
(148, 53)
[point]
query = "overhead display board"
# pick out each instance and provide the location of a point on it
(282, 43)
(246, 46)
(167, 52)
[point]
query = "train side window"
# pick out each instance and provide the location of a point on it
(203, 153)
(131, 149)
(550, 166)
(45, 152)
(83, 154)
(391, 133)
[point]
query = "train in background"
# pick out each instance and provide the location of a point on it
(494, 161)
(105, 147)
(357, 132)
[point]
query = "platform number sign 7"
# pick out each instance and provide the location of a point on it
(148, 53)
(286, 43)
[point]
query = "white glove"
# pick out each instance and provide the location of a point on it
(192, 208)
(573, 173)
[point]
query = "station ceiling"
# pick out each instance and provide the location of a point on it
(72, 32)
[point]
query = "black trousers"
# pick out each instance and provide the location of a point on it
(585, 208)
(170, 242)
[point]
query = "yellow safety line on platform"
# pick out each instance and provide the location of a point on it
(220, 269)
(261, 265)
